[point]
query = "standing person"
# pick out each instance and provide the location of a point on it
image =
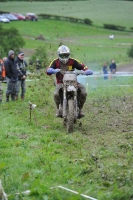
(21, 66)
(2, 69)
(66, 63)
(112, 68)
(105, 71)
(1, 78)
(11, 76)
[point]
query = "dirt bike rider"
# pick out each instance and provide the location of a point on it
(65, 63)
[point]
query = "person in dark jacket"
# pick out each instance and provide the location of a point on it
(11, 75)
(21, 66)
(105, 71)
(112, 68)
(66, 63)
(1, 78)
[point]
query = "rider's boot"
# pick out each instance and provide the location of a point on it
(57, 102)
(81, 114)
(59, 111)
(81, 103)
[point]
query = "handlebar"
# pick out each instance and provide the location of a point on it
(87, 72)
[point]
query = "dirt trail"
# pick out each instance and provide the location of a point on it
(126, 68)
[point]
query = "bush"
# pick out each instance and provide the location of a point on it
(71, 19)
(130, 52)
(114, 27)
(88, 21)
(41, 55)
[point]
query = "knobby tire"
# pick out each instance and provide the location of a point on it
(70, 116)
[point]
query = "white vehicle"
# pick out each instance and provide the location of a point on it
(4, 19)
(11, 17)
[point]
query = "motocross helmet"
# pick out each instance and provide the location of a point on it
(63, 54)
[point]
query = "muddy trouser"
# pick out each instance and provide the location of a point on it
(1, 91)
(11, 89)
(82, 93)
(21, 84)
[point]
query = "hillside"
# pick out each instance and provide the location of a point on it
(99, 12)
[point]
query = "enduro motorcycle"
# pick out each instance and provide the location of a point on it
(69, 96)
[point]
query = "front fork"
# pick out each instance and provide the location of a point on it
(65, 104)
(75, 105)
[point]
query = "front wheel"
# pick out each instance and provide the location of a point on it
(70, 116)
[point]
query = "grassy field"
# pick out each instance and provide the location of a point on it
(89, 44)
(95, 160)
(36, 154)
(100, 12)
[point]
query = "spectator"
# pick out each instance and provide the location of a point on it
(105, 71)
(2, 70)
(21, 67)
(11, 76)
(112, 68)
(1, 78)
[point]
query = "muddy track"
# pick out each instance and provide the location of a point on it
(126, 68)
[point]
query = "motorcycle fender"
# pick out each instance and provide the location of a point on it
(71, 88)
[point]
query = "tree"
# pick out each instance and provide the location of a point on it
(10, 39)
(40, 55)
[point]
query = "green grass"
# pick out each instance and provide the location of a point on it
(95, 160)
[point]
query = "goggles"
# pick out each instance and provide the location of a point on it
(65, 55)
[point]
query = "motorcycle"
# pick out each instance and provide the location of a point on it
(69, 96)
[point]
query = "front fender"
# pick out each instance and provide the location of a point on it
(71, 88)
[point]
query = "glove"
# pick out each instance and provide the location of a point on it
(88, 72)
(82, 72)
(52, 71)
(57, 70)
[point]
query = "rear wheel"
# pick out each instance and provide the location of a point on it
(70, 116)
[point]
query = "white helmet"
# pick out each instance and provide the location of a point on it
(63, 54)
